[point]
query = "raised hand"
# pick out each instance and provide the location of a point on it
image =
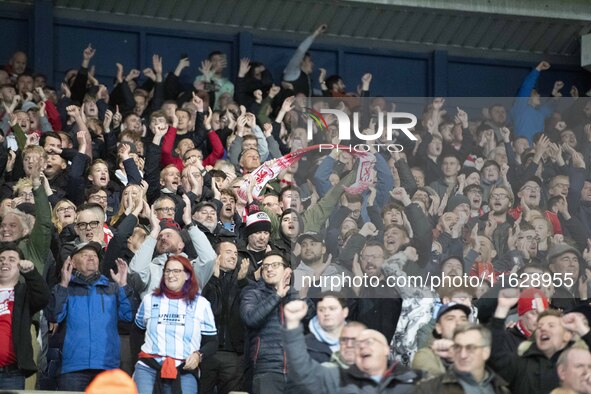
(186, 210)
(558, 85)
(288, 104)
(197, 102)
(206, 69)
(133, 74)
(119, 72)
(506, 134)
(117, 118)
(320, 29)
(462, 117)
(87, 54)
(543, 66)
(294, 312)
(25, 266)
(244, 67)
(157, 66)
(244, 265)
(322, 75)
(73, 111)
(66, 273)
(267, 129)
(400, 194)
(183, 63)
(121, 276)
(575, 323)
(148, 72)
(107, 120)
(368, 230)
(506, 300)
(366, 80)
(66, 90)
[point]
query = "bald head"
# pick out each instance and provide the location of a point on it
(18, 61)
(371, 352)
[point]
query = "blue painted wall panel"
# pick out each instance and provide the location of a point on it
(392, 76)
(468, 79)
(395, 73)
(15, 33)
(111, 46)
(171, 47)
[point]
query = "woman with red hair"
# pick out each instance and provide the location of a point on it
(180, 332)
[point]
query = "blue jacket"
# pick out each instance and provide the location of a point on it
(90, 313)
(529, 120)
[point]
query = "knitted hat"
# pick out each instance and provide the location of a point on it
(113, 382)
(531, 299)
(256, 222)
(169, 223)
(456, 200)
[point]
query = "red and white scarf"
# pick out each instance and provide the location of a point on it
(270, 170)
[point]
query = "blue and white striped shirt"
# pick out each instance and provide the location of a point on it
(174, 327)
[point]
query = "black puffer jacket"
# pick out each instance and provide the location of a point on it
(531, 372)
(261, 310)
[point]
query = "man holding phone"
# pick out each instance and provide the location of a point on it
(211, 78)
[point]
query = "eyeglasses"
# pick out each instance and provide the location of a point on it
(469, 348)
(173, 271)
(347, 340)
(368, 342)
(562, 185)
(26, 195)
(369, 257)
(275, 265)
(84, 226)
(98, 198)
(64, 209)
(166, 209)
(531, 188)
(499, 196)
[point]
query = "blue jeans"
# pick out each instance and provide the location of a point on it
(77, 381)
(12, 380)
(145, 377)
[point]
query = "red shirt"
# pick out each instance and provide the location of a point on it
(7, 354)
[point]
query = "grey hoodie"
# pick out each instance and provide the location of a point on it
(150, 270)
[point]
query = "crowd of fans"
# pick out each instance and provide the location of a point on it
(132, 236)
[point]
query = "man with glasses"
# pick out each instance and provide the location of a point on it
(529, 197)
(89, 306)
(470, 349)
(165, 208)
(378, 306)
(166, 241)
(566, 263)
(371, 371)
(496, 223)
(89, 226)
(97, 195)
(345, 356)
(437, 357)
(261, 310)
